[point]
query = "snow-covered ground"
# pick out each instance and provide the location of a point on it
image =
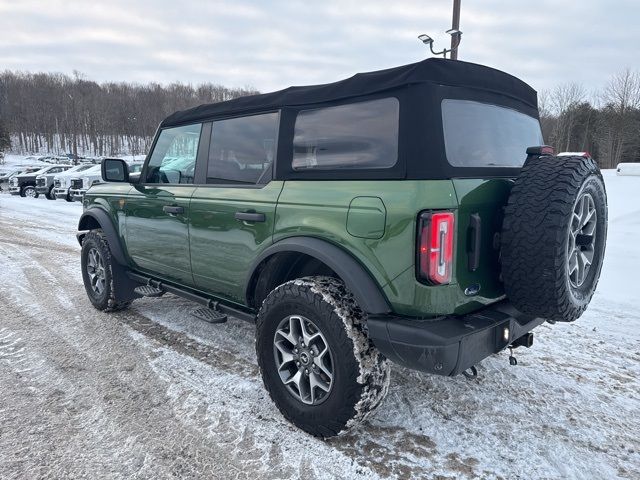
(153, 392)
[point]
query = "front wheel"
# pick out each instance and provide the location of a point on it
(317, 362)
(51, 195)
(98, 272)
(29, 191)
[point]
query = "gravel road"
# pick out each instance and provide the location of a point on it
(152, 392)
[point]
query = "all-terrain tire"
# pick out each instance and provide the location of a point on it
(105, 300)
(538, 248)
(360, 372)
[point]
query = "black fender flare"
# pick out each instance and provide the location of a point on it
(87, 222)
(356, 277)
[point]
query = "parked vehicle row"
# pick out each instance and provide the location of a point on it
(56, 181)
(79, 185)
(6, 177)
(24, 184)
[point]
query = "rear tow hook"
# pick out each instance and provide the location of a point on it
(512, 360)
(525, 340)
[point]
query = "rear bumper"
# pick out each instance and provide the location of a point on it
(449, 345)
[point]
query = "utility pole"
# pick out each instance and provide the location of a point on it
(455, 26)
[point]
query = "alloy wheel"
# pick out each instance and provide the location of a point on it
(96, 271)
(582, 236)
(303, 359)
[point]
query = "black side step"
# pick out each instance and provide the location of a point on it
(209, 315)
(212, 304)
(148, 291)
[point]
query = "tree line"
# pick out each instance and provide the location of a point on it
(605, 123)
(57, 113)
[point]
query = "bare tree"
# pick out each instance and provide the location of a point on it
(619, 129)
(563, 100)
(59, 113)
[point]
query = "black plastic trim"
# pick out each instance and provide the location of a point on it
(357, 279)
(106, 224)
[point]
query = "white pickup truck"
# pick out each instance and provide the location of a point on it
(62, 181)
(79, 184)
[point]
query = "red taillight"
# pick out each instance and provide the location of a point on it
(435, 247)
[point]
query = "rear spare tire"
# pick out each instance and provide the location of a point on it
(553, 237)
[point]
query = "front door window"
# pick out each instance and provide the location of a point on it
(174, 157)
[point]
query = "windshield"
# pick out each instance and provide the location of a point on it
(485, 135)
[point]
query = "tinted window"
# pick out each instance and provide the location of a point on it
(242, 149)
(355, 136)
(484, 135)
(174, 157)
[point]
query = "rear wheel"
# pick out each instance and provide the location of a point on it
(554, 237)
(317, 362)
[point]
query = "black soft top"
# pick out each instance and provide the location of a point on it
(435, 71)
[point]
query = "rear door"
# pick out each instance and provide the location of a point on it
(232, 216)
(157, 208)
(487, 143)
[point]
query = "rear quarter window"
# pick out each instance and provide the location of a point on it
(485, 135)
(361, 135)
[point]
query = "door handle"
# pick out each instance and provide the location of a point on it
(250, 216)
(173, 209)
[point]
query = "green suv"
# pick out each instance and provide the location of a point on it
(410, 214)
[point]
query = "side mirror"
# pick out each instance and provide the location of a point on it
(114, 170)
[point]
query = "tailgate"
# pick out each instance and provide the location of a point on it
(480, 212)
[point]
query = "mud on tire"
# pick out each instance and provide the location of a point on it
(105, 298)
(539, 245)
(360, 372)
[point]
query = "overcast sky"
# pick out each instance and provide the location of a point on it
(271, 44)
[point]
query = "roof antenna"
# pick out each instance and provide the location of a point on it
(454, 31)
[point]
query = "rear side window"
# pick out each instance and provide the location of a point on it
(485, 135)
(361, 135)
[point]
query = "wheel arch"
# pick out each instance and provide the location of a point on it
(355, 276)
(98, 218)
